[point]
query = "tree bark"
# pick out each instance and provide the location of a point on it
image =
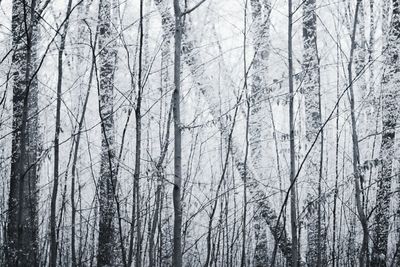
(260, 11)
(316, 254)
(389, 121)
(107, 179)
(53, 208)
(293, 193)
(177, 252)
(22, 230)
(358, 177)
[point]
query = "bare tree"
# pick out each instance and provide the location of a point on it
(260, 11)
(390, 111)
(293, 194)
(316, 255)
(53, 230)
(358, 176)
(107, 179)
(177, 254)
(22, 230)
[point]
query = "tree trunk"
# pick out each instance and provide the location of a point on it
(316, 254)
(107, 179)
(260, 10)
(138, 145)
(22, 230)
(53, 209)
(293, 193)
(246, 152)
(387, 152)
(177, 252)
(358, 177)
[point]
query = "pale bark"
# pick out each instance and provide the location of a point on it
(390, 111)
(316, 254)
(107, 179)
(358, 176)
(293, 193)
(260, 11)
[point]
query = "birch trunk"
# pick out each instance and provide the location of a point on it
(316, 254)
(260, 11)
(107, 180)
(358, 176)
(390, 111)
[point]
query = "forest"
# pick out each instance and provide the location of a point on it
(199, 133)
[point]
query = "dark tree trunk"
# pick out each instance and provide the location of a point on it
(177, 253)
(22, 231)
(293, 193)
(53, 208)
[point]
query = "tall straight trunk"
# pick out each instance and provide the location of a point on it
(138, 118)
(316, 254)
(107, 179)
(260, 11)
(53, 208)
(390, 98)
(337, 139)
(177, 252)
(358, 177)
(22, 228)
(244, 218)
(293, 195)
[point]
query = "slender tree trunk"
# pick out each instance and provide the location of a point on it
(337, 139)
(244, 218)
(293, 195)
(53, 209)
(358, 178)
(316, 254)
(22, 230)
(107, 179)
(177, 252)
(138, 117)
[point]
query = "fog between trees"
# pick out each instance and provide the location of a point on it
(199, 133)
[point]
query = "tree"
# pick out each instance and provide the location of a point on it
(389, 121)
(53, 230)
(316, 255)
(107, 179)
(177, 252)
(22, 230)
(358, 176)
(260, 11)
(293, 193)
